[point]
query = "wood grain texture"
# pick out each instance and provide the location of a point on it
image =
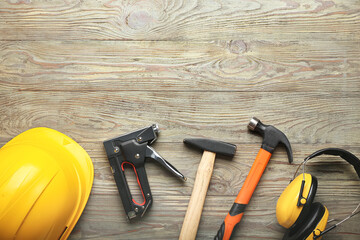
(309, 117)
(234, 65)
(200, 68)
(179, 19)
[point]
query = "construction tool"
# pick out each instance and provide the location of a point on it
(272, 137)
(133, 149)
(202, 180)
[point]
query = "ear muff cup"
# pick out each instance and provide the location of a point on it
(288, 214)
(317, 211)
(306, 210)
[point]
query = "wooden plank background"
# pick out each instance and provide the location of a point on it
(199, 68)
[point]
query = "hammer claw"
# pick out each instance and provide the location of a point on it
(272, 137)
(286, 143)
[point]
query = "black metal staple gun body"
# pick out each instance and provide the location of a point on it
(133, 149)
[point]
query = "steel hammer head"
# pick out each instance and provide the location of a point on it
(223, 148)
(272, 137)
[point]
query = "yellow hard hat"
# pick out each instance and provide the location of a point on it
(45, 182)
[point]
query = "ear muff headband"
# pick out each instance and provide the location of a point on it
(347, 156)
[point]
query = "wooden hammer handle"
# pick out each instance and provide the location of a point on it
(197, 199)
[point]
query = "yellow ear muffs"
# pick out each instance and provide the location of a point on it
(314, 223)
(288, 213)
(295, 209)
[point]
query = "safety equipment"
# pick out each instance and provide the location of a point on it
(295, 209)
(45, 182)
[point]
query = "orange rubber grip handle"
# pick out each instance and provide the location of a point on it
(244, 196)
(253, 177)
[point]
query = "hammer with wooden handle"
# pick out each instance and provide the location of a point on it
(202, 180)
(272, 137)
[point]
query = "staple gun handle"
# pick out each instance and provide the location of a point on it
(132, 208)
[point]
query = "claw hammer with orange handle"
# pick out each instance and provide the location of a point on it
(272, 137)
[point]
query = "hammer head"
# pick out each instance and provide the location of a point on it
(218, 147)
(272, 137)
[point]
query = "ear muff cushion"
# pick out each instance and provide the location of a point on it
(306, 210)
(288, 213)
(320, 226)
(317, 211)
